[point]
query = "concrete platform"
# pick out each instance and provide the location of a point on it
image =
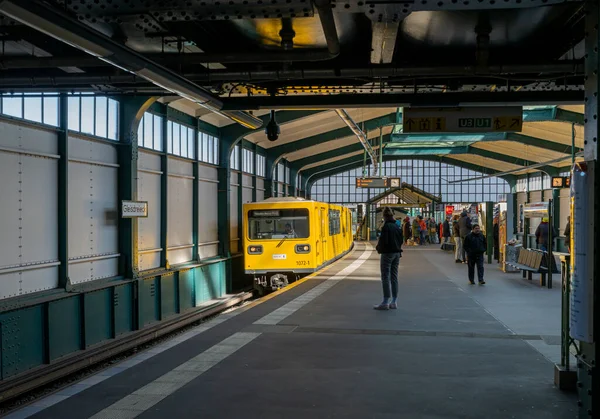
(319, 350)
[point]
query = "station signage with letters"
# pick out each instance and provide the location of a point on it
(134, 209)
(378, 182)
(561, 182)
(463, 119)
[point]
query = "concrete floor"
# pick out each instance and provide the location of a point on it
(319, 350)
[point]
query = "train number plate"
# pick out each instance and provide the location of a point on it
(279, 257)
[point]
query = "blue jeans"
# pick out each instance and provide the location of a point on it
(389, 275)
(543, 248)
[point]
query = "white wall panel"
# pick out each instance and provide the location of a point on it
(149, 161)
(246, 195)
(39, 209)
(149, 228)
(260, 183)
(260, 195)
(9, 209)
(180, 166)
(207, 172)
(80, 148)
(247, 180)
(18, 283)
(208, 210)
(18, 136)
(179, 218)
(88, 271)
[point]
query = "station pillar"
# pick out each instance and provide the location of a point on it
(588, 364)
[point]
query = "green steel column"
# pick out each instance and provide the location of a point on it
(240, 190)
(131, 110)
(63, 192)
(270, 176)
(489, 229)
(195, 193)
(588, 364)
(293, 181)
(164, 192)
(223, 204)
(556, 212)
(254, 148)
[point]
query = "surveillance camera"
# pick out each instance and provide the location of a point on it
(272, 129)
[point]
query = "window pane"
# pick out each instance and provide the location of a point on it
(176, 139)
(87, 114)
(101, 116)
(158, 134)
(216, 151)
(51, 111)
(12, 106)
(205, 144)
(184, 141)
(191, 151)
(73, 104)
(148, 124)
(113, 119)
(169, 137)
(33, 108)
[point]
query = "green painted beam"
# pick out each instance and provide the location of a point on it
(429, 138)
(570, 116)
(552, 113)
(170, 114)
(539, 142)
(336, 134)
(418, 151)
(352, 148)
(236, 131)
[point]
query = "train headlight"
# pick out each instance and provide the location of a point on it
(302, 248)
(255, 250)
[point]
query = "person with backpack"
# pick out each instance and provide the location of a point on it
(389, 247)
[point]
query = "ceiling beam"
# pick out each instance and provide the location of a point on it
(336, 134)
(453, 99)
(236, 131)
(383, 41)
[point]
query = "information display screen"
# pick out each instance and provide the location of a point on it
(377, 182)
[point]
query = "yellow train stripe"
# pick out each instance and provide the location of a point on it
(295, 284)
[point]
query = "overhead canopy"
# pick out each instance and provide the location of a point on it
(405, 196)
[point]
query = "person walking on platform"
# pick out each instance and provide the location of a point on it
(541, 234)
(389, 247)
(458, 247)
(446, 232)
(422, 230)
(464, 225)
(406, 229)
(475, 246)
(416, 230)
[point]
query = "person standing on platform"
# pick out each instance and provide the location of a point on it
(423, 230)
(541, 234)
(416, 230)
(475, 246)
(458, 247)
(496, 239)
(464, 224)
(406, 229)
(446, 232)
(389, 247)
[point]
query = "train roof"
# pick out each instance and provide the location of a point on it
(285, 199)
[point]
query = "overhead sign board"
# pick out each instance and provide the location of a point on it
(561, 182)
(466, 119)
(134, 209)
(536, 210)
(377, 182)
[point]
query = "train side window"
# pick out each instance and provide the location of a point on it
(334, 222)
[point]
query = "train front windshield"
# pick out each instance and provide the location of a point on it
(278, 224)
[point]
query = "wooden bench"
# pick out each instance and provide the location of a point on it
(532, 261)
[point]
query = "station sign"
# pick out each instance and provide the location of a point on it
(561, 181)
(463, 119)
(134, 209)
(377, 182)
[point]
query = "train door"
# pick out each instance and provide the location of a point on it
(324, 235)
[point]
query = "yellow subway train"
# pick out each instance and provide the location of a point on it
(287, 238)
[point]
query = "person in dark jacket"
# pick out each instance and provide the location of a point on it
(541, 234)
(406, 230)
(446, 232)
(390, 249)
(458, 248)
(496, 239)
(464, 225)
(475, 246)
